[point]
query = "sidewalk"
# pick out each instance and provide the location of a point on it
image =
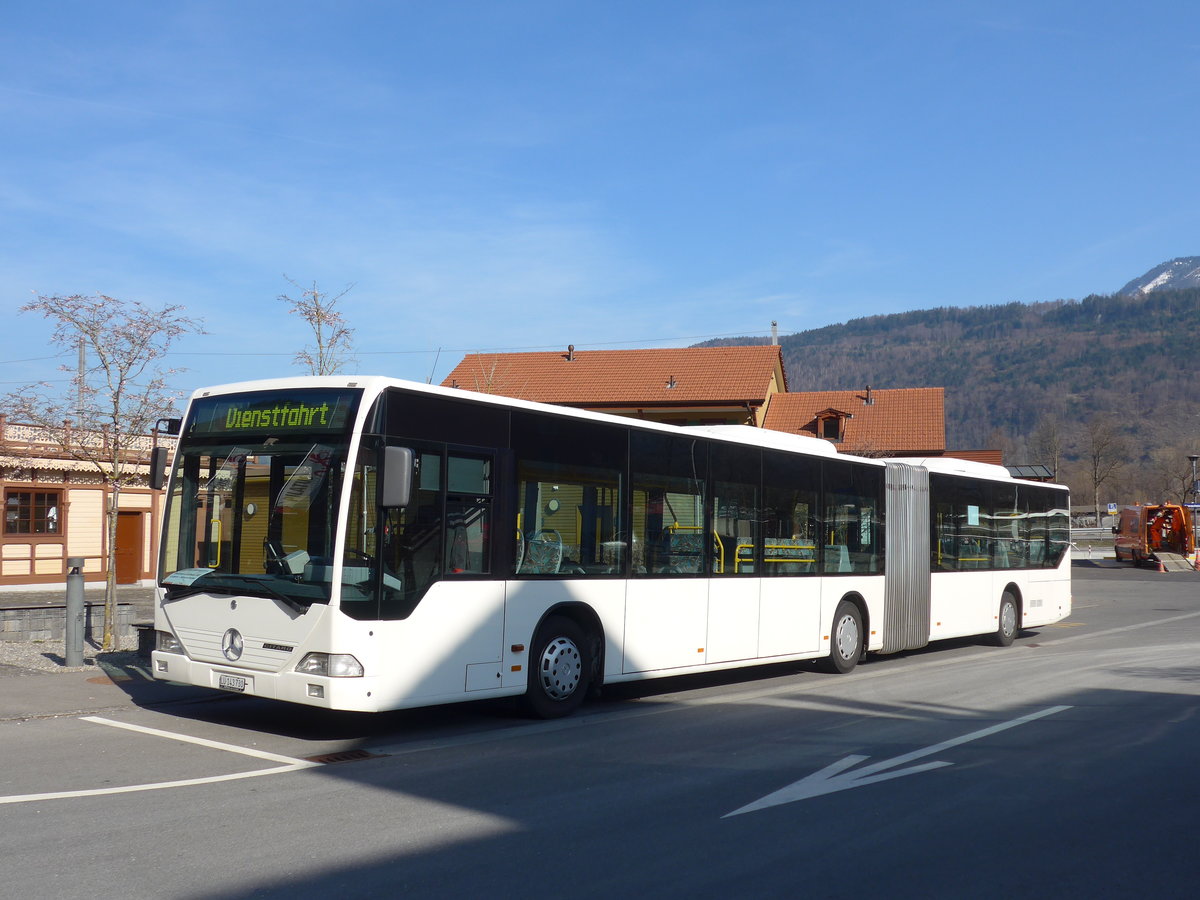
(108, 681)
(118, 681)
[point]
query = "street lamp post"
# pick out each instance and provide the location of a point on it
(1195, 497)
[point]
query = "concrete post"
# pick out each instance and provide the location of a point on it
(73, 634)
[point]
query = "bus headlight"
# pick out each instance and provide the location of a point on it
(167, 642)
(334, 665)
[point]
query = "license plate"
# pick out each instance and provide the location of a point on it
(231, 683)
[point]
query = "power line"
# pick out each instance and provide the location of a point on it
(34, 358)
(694, 337)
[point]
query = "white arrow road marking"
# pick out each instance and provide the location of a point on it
(831, 779)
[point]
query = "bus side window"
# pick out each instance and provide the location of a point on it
(669, 478)
(736, 517)
(568, 496)
(851, 503)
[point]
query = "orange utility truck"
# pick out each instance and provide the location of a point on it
(1159, 534)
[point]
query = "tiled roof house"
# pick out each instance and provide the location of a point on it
(718, 385)
(684, 386)
(895, 422)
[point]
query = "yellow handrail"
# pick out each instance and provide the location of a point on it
(217, 523)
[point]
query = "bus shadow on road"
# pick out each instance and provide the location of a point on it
(130, 673)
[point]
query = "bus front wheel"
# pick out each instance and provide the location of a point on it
(1006, 630)
(560, 669)
(846, 640)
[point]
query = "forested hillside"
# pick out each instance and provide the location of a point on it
(1052, 370)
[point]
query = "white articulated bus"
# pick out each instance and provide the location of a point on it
(373, 544)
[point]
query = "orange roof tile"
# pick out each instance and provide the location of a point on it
(676, 376)
(900, 420)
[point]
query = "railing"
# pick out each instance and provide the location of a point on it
(1090, 534)
(18, 440)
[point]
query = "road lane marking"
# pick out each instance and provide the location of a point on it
(834, 777)
(154, 786)
(202, 742)
(288, 764)
(1119, 629)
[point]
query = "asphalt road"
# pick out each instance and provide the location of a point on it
(1064, 766)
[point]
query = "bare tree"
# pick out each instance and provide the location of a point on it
(114, 401)
(1047, 442)
(333, 336)
(1167, 474)
(485, 379)
(1105, 452)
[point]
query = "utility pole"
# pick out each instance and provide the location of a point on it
(79, 382)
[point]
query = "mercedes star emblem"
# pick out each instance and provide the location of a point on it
(231, 644)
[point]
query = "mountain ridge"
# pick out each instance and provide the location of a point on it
(1013, 369)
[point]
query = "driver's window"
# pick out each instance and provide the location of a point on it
(410, 541)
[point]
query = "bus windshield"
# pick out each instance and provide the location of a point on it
(254, 494)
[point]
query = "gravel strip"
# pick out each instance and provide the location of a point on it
(44, 657)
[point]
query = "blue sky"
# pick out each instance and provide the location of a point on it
(524, 174)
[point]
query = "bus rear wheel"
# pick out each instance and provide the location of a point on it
(846, 640)
(1006, 630)
(560, 669)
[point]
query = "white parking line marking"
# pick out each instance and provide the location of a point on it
(155, 786)
(289, 765)
(203, 742)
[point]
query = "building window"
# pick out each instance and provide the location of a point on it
(831, 428)
(32, 512)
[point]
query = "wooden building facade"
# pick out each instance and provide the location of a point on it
(54, 508)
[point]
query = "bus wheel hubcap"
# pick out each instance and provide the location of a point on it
(560, 668)
(847, 637)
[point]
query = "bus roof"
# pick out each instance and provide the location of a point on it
(741, 434)
(950, 465)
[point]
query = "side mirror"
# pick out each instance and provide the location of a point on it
(397, 476)
(159, 457)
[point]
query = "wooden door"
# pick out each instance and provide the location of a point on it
(129, 547)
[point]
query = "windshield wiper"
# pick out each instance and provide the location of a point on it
(218, 585)
(264, 582)
(178, 592)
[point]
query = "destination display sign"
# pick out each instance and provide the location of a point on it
(315, 411)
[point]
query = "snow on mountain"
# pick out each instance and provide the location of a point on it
(1177, 273)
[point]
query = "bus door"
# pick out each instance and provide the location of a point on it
(666, 613)
(735, 525)
(437, 563)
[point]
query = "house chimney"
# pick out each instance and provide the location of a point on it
(570, 352)
(774, 333)
(869, 400)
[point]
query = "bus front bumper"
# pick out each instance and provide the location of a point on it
(355, 694)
